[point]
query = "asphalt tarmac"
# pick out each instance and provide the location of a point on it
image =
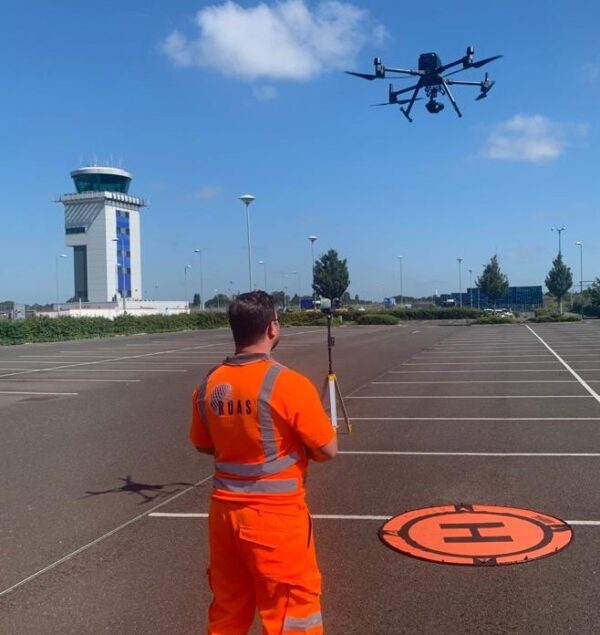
(103, 523)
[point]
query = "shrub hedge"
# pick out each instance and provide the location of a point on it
(377, 318)
(492, 319)
(555, 317)
(45, 329)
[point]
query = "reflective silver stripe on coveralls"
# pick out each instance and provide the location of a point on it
(271, 464)
(303, 623)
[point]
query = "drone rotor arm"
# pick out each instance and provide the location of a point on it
(487, 60)
(445, 67)
(406, 71)
(395, 93)
(459, 83)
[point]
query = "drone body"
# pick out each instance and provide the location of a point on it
(431, 79)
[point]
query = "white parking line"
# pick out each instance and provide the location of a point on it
(483, 381)
(495, 454)
(103, 537)
(353, 419)
(23, 392)
(482, 370)
(471, 363)
(461, 356)
(40, 380)
(590, 523)
(103, 361)
(592, 392)
(470, 397)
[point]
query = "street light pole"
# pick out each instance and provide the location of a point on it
(471, 287)
(199, 252)
(401, 282)
(247, 199)
(580, 269)
(312, 239)
(459, 281)
(57, 282)
(560, 230)
(185, 270)
(264, 264)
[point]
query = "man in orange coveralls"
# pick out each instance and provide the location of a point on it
(262, 421)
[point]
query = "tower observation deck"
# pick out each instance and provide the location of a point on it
(102, 225)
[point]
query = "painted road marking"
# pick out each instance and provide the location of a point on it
(590, 523)
(476, 535)
(475, 454)
(461, 356)
(592, 392)
(112, 532)
(93, 370)
(23, 392)
(484, 370)
(470, 397)
(474, 419)
(472, 363)
(79, 379)
(484, 381)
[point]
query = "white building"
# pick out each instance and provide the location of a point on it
(102, 224)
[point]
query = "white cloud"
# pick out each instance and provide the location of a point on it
(533, 138)
(284, 40)
(264, 93)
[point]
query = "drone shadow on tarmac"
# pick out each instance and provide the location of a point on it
(143, 490)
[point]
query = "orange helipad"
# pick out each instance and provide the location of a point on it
(476, 534)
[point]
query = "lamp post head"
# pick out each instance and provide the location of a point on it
(197, 251)
(579, 243)
(64, 256)
(312, 238)
(261, 262)
(247, 198)
(459, 260)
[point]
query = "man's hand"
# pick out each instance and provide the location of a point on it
(210, 450)
(325, 452)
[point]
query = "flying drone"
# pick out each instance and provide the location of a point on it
(431, 79)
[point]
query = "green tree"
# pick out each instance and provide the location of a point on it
(492, 282)
(196, 300)
(331, 277)
(594, 292)
(559, 280)
(219, 301)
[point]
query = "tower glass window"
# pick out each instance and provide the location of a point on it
(101, 179)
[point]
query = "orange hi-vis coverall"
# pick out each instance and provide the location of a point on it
(259, 417)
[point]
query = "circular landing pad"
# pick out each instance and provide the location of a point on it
(476, 535)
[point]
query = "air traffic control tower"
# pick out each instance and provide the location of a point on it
(102, 224)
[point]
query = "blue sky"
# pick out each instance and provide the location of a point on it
(205, 101)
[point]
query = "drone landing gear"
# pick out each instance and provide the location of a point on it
(405, 112)
(451, 98)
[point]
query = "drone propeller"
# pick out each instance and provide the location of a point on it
(368, 76)
(486, 86)
(481, 63)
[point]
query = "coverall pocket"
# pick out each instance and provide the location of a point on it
(262, 549)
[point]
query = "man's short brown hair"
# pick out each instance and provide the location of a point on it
(249, 316)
